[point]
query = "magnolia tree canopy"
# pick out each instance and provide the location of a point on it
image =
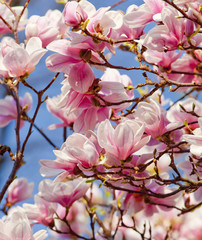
(131, 167)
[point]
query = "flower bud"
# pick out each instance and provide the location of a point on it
(19, 190)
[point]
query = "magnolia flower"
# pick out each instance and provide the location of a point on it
(113, 89)
(195, 140)
(142, 15)
(162, 59)
(136, 202)
(103, 21)
(61, 113)
(17, 60)
(169, 35)
(16, 226)
(182, 111)
(8, 109)
(77, 151)
(64, 193)
(153, 116)
(77, 109)
(19, 190)
(123, 140)
(48, 28)
(73, 59)
(74, 14)
(190, 65)
(41, 212)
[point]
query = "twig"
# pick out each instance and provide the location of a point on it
(116, 4)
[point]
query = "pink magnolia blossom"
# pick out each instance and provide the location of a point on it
(100, 22)
(169, 35)
(190, 65)
(17, 60)
(64, 193)
(7, 15)
(62, 114)
(125, 31)
(73, 59)
(195, 140)
(103, 21)
(16, 226)
(77, 151)
(153, 116)
(83, 107)
(74, 14)
(87, 108)
(186, 226)
(142, 15)
(48, 28)
(113, 89)
(177, 114)
(90, 117)
(19, 190)
(123, 140)
(8, 109)
(41, 212)
(136, 202)
(163, 60)
(83, 110)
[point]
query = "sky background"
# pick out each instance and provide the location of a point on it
(37, 147)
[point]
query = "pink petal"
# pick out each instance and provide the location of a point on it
(81, 77)
(59, 63)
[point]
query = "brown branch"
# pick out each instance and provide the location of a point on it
(116, 4)
(19, 155)
(4, 149)
(147, 69)
(26, 118)
(51, 82)
(190, 209)
(33, 120)
(198, 21)
(7, 24)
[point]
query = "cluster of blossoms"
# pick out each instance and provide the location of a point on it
(143, 150)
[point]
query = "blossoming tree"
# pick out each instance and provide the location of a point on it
(131, 167)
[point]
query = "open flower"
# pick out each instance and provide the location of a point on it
(16, 225)
(48, 28)
(123, 140)
(64, 193)
(77, 151)
(73, 59)
(169, 35)
(17, 60)
(41, 212)
(153, 117)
